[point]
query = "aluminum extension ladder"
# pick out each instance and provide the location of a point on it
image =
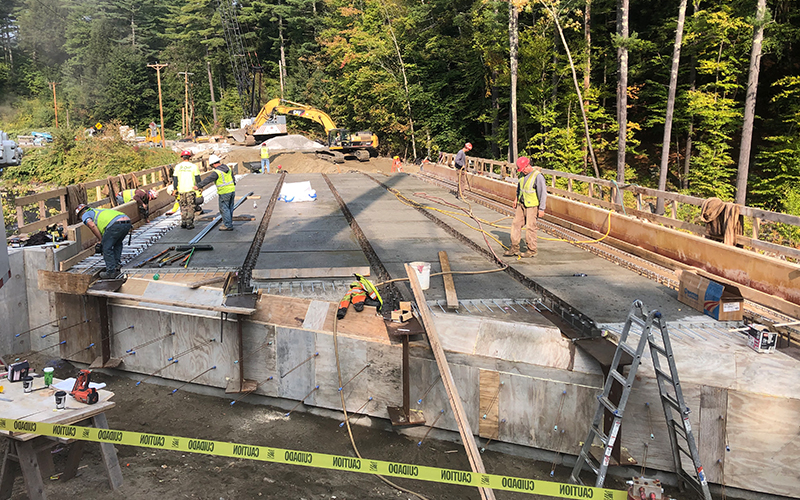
(675, 410)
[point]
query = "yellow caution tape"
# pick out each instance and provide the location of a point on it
(312, 459)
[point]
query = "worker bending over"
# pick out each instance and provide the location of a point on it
(222, 176)
(529, 205)
(185, 178)
(141, 197)
(110, 227)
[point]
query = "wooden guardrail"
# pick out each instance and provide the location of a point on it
(603, 192)
(151, 178)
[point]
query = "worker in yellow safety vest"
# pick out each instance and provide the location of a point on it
(264, 158)
(223, 177)
(185, 178)
(110, 227)
(529, 205)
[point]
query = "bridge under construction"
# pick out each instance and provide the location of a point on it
(529, 342)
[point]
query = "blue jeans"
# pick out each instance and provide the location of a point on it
(264, 165)
(112, 244)
(226, 208)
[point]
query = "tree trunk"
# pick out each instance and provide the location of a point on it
(283, 47)
(673, 85)
(513, 40)
(495, 116)
(554, 15)
(405, 85)
(750, 103)
(692, 85)
(211, 88)
(622, 92)
(587, 35)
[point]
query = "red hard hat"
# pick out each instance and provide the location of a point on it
(186, 153)
(468, 146)
(522, 163)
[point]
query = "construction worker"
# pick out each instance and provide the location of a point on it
(396, 164)
(264, 158)
(362, 293)
(529, 205)
(460, 162)
(185, 178)
(110, 227)
(141, 197)
(223, 177)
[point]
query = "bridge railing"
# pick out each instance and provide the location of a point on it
(681, 211)
(99, 193)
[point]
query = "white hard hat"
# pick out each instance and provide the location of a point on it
(170, 189)
(214, 159)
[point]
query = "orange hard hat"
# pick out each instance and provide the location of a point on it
(468, 146)
(522, 163)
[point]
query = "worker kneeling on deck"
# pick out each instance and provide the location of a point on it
(185, 179)
(110, 227)
(222, 176)
(141, 197)
(528, 206)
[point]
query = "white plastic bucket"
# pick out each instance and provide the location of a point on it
(423, 270)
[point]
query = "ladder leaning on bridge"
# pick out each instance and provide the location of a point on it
(675, 410)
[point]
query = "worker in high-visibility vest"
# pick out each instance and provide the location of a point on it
(223, 177)
(185, 178)
(396, 164)
(110, 227)
(264, 158)
(141, 197)
(529, 205)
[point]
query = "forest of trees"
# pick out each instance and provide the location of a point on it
(428, 75)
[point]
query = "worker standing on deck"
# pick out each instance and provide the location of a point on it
(141, 197)
(110, 227)
(396, 164)
(185, 178)
(529, 205)
(223, 177)
(264, 158)
(460, 163)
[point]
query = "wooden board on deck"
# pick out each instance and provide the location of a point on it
(53, 281)
(488, 425)
(449, 285)
(711, 435)
(64, 265)
(316, 314)
(310, 272)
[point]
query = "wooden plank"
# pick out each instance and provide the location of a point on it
(449, 285)
(711, 435)
(110, 460)
(41, 224)
(66, 264)
(468, 438)
(209, 281)
(315, 315)
(175, 303)
(34, 198)
(767, 246)
(488, 425)
(310, 272)
(54, 281)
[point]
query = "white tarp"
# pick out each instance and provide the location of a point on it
(297, 191)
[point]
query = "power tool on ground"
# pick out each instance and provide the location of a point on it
(81, 390)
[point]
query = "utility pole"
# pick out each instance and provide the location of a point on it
(55, 103)
(158, 67)
(187, 126)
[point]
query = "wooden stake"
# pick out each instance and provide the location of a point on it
(158, 67)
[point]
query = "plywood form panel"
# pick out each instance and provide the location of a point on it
(78, 308)
(352, 359)
(385, 377)
(148, 326)
(260, 361)
(762, 434)
(639, 423)
(295, 346)
(711, 433)
(532, 408)
(489, 400)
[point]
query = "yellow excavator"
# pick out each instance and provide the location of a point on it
(340, 141)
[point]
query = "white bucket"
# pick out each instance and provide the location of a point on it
(423, 270)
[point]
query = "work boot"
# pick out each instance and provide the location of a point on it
(108, 275)
(183, 225)
(527, 254)
(510, 252)
(225, 228)
(190, 226)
